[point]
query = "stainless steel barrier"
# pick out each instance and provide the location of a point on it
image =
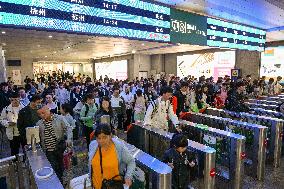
(274, 133)
(160, 173)
(230, 152)
(274, 98)
(255, 139)
(264, 106)
(268, 113)
(12, 168)
(37, 161)
(270, 102)
(158, 141)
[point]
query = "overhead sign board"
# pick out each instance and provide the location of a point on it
(188, 28)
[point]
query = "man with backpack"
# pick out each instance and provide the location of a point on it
(160, 111)
(87, 114)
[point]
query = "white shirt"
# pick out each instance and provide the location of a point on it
(159, 118)
(128, 98)
(10, 114)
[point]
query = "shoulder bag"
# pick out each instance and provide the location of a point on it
(110, 183)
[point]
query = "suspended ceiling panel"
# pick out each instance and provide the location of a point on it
(263, 14)
(20, 43)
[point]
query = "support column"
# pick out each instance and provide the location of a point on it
(248, 62)
(3, 74)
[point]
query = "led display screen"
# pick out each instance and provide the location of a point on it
(215, 65)
(225, 34)
(124, 18)
(272, 62)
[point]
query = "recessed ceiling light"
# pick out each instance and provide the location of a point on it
(3, 32)
(133, 51)
(54, 52)
(45, 56)
(68, 47)
(50, 36)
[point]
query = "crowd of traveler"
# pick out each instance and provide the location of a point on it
(66, 107)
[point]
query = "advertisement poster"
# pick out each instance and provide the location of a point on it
(272, 62)
(215, 65)
(16, 77)
(115, 69)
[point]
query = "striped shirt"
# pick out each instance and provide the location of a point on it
(49, 136)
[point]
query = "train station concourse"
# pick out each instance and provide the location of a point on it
(141, 94)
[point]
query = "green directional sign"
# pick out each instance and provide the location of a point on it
(188, 28)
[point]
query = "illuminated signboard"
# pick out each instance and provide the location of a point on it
(124, 18)
(234, 36)
(188, 28)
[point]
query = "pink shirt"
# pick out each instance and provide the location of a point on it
(223, 96)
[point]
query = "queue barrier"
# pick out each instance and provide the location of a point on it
(264, 106)
(274, 132)
(230, 152)
(255, 139)
(156, 142)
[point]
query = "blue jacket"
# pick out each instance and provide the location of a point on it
(125, 159)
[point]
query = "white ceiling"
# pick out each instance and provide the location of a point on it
(20, 43)
(265, 14)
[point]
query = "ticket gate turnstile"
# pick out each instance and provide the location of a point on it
(264, 106)
(159, 173)
(268, 113)
(159, 141)
(255, 139)
(274, 133)
(270, 102)
(230, 152)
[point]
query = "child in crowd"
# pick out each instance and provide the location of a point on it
(181, 160)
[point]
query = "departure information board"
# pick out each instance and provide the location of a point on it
(234, 36)
(135, 19)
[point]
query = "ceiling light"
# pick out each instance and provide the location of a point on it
(54, 52)
(3, 32)
(68, 47)
(38, 45)
(50, 36)
(4, 44)
(45, 56)
(133, 51)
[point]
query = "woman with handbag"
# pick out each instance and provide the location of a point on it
(109, 161)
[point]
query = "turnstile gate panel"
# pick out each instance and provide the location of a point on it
(274, 132)
(158, 141)
(264, 106)
(268, 113)
(255, 139)
(230, 151)
(270, 102)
